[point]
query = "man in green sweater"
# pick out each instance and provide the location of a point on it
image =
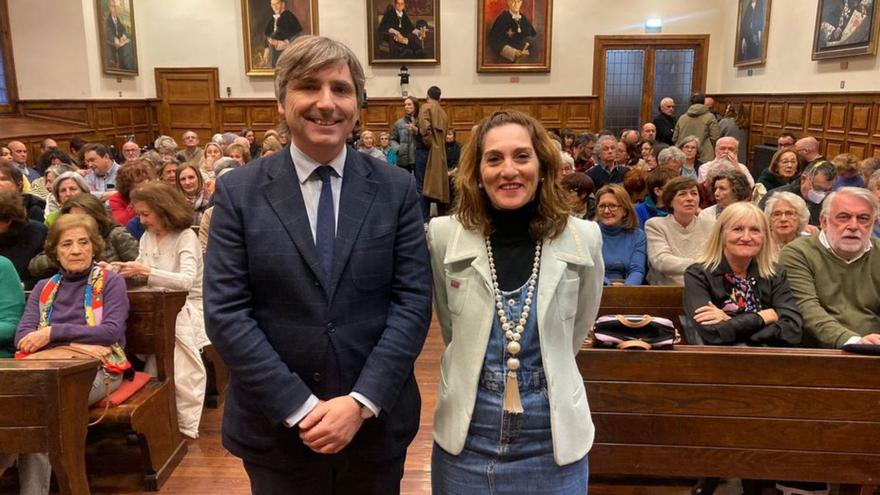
(11, 306)
(835, 276)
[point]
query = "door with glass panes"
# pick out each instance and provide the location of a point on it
(633, 73)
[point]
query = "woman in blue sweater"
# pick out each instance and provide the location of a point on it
(623, 243)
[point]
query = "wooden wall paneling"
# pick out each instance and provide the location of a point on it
(859, 150)
(816, 122)
(68, 112)
(832, 148)
(860, 119)
(187, 101)
(263, 116)
(836, 118)
(794, 116)
(758, 116)
(775, 114)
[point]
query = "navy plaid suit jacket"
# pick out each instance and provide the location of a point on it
(286, 332)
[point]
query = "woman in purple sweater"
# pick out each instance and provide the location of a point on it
(82, 306)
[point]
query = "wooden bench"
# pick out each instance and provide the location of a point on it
(657, 300)
(152, 412)
(752, 413)
(42, 409)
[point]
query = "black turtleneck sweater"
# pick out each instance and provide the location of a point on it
(512, 245)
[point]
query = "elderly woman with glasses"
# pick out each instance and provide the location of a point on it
(623, 242)
(789, 218)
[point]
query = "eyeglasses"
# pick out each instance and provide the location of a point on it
(788, 162)
(611, 208)
(784, 213)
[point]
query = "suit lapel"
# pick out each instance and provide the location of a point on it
(285, 196)
(356, 197)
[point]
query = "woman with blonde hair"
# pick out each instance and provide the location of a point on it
(211, 154)
(735, 293)
(517, 283)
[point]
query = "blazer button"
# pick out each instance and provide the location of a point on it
(331, 328)
(317, 283)
(316, 377)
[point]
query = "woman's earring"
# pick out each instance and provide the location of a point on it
(480, 185)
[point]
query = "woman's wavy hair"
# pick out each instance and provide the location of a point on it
(91, 206)
(131, 173)
(472, 205)
(714, 252)
(166, 202)
(71, 221)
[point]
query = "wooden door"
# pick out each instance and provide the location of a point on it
(187, 101)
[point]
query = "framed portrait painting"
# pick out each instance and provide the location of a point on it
(117, 37)
(403, 31)
(752, 26)
(269, 26)
(514, 35)
(845, 28)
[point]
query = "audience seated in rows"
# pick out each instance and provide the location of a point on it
(20, 237)
(623, 242)
(11, 179)
(727, 186)
(690, 145)
(609, 167)
(784, 168)
(789, 218)
(835, 276)
(119, 245)
(653, 206)
(191, 183)
(82, 304)
(726, 150)
(170, 257)
(676, 240)
(735, 293)
(813, 186)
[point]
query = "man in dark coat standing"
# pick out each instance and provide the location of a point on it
(318, 294)
(665, 121)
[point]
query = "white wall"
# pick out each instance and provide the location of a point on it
(58, 56)
(207, 33)
(789, 68)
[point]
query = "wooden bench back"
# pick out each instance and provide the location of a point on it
(152, 315)
(755, 413)
(151, 325)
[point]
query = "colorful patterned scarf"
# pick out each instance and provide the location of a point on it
(743, 297)
(93, 303)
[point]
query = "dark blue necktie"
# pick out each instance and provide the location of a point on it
(325, 231)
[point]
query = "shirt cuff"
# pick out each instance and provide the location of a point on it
(372, 412)
(852, 340)
(302, 412)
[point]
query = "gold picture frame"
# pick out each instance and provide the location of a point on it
(410, 38)
(845, 28)
(511, 40)
(265, 36)
(116, 35)
(752, 26)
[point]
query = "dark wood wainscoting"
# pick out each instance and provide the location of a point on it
(578, 113)
(842, 122)
(106, 121)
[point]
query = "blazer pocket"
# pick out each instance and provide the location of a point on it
(456, 294)
(372, 261)
(567, 298)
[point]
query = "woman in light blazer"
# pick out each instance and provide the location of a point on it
(517, 283)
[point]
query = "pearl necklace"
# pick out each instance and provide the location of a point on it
(513, 331)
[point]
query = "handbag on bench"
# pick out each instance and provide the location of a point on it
(634, 332)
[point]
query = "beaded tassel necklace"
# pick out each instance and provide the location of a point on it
(513, 329)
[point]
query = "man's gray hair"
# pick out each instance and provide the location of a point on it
(166, 143)
(796, 202)
(825, 168)
(308, 55)
(671, 154)
(606, 137)
(853, 192)
(729, 138)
